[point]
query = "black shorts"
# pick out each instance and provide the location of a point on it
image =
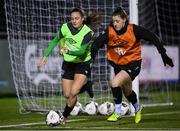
(69, 69)
(133, 68)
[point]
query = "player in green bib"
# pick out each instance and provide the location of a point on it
(75, 38)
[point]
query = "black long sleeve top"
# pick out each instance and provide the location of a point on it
(139, 32)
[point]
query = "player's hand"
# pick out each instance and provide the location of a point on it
(63, 50)
(167, 60)
(42, 62)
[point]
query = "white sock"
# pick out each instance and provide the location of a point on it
(136, 106)
(118, 108)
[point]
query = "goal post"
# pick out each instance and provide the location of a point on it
(133, 18)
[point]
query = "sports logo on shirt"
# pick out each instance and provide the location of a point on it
(120, 51)
(70, 44)
(120, 43)
(70, 41)
(120, 46)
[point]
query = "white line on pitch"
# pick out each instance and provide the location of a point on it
(39, 123)
(161, 113)
(42, 123)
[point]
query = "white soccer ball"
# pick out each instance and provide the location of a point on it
(91, 108)
(54, 118)
(125, 108)
(77, 109)
(106, 108)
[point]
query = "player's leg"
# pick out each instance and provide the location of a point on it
(133, 70)
(80, 73)
(78, 82)
(87, 87)
(116, 84)
(84, 68)
(75, 87)
(132, 97)
(68, 71)
(67, 87)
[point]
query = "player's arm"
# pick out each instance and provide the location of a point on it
(142, 33)
(51, 46)
(98, 43)
(85, 43)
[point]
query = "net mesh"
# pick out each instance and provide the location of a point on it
(32, 24)
(162, 18)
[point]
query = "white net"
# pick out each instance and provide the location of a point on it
(162, 18)
(31, 25)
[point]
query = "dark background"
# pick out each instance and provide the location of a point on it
(157, 16)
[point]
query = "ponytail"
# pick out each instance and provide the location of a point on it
(93, 20)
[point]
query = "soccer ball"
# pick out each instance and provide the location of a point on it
(54, 118)
(91, 108)
(125, 108)
(77, 109)
(106, 108)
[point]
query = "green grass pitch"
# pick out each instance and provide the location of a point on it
(153, 118)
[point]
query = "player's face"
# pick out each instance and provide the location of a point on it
(76, 19)
(118, 22)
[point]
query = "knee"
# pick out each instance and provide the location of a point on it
(73, 94)
(66, 95)
(114, 83)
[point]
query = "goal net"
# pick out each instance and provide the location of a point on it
(31, 25)
(158, 84)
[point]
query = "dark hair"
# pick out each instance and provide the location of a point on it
(119, 11)
(92, 20)
(78, 10)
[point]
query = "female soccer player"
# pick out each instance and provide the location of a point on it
(124, 55)
(75, 39)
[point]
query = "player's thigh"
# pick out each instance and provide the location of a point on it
(67, 87)
(79, 80)
(120, 78)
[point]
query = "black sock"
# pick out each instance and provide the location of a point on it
(132, 97)
(67, 111)
(117, 94)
